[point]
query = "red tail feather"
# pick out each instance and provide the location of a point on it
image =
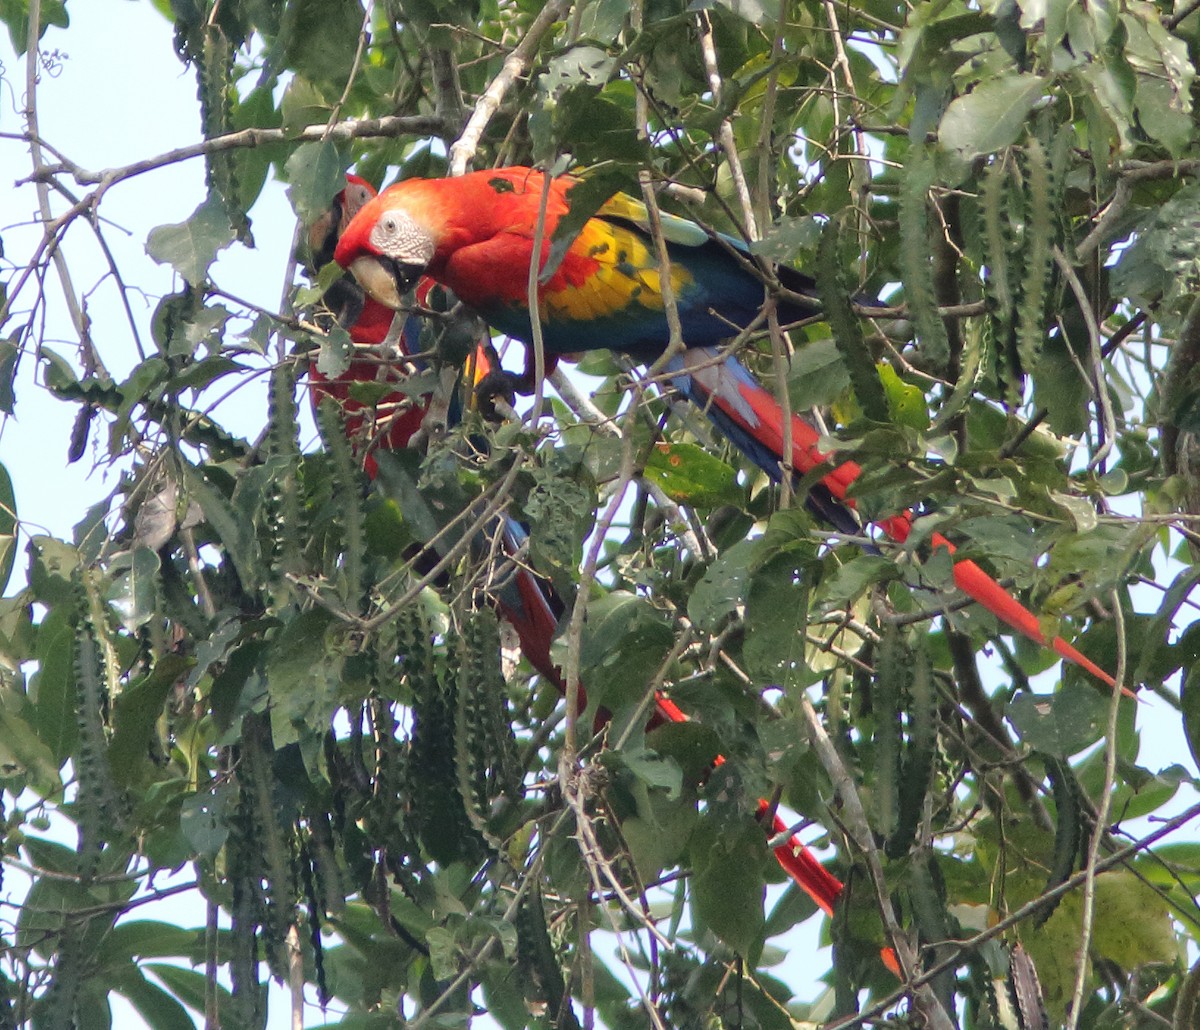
(968, 576)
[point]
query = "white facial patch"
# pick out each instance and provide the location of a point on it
(398, 237)
(354, 198)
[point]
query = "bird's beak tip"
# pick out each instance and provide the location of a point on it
(377, 279)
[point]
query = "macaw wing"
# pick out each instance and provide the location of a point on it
(683, 235)
(622, 207)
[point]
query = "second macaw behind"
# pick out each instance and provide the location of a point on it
(475, 234)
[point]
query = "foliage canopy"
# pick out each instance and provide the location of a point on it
(241, 665)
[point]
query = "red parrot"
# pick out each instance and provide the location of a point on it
(475, 235)
(391, 423)
(527, 602)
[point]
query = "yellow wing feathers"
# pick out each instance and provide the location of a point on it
(620, 274)
(675, 229)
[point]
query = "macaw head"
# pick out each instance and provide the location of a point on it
(325, 232)
(388, 245)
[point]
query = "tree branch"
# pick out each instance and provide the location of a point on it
(462, 151)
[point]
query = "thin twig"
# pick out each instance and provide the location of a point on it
(387, 127)
(364, 36)
(1131, 174)
(1100, 829)
(860, 832)
(1020, 915)
(78, 319)
(462, 151)
(1097, 378)
(725, 131)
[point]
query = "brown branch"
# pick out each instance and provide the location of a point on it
(463, 149)
(1021, 914)
(1100, 830)
(79, 319)
(859, 828)
(1131, 175)
(387, 127)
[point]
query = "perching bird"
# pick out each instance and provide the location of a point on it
(476, 234)
(526, 601)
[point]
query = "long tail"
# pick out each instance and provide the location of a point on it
(529, 604)
(753, 420)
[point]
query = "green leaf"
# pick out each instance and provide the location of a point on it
(52, 571)
(234, 533)
(15, 14)
(54, 685)
(336, 353)
(1164, 258)
(303, 104)
(905, 402)
(397, 475)
(850, 581)
(316, 172)
(1190, 710)
(757, 12)
(776, 621)
(692, 746)
(1061, 724)
(1132, 928)
(654, 770)
(191, 986)
(991, 116)
(560, 510)
(321, 38)
(722, 588)
(688, 474)
(134, 592)
(8, 528)
(580, 65)
(443, 952)
(191, 247)
(203, 373)
(160, 1009)
(138, 709)
(57, 372)
(9, 354)
(727, 888)
(624, 642)
(23, 754)
(818, 376)
(602, 20)
(149, 938)
(205, 817)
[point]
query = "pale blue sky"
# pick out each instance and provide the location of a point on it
(116, 93)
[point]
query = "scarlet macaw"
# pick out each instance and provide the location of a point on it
(527, 602)
(391, 423)
(475, 235)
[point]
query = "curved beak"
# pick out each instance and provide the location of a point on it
(385, 281)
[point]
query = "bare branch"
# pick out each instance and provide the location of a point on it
(860, 832)
(74, 309)
(463, 149)
(1100, 830)
(387, 127)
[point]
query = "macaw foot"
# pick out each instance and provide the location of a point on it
(497, 385)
